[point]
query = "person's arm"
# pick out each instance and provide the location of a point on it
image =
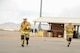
(73, 29)
(20, 27)
(66, 32)
(28, 26)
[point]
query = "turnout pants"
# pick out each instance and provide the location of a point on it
(23, 38)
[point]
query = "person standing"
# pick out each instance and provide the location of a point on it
(25, 30)
(69, 33)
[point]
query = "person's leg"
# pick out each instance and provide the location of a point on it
(27, 40)
(69, 41)
(22, 40)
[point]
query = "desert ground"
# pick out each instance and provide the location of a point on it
(10, 43)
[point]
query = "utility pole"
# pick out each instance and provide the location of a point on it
(40, 14)
(41, 8)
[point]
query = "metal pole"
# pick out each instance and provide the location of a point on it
(40, 15)
(41, 8)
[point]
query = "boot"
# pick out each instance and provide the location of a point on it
(22, 43)
(27, 43)
(68, 44)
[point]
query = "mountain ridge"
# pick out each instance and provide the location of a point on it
(12, 26)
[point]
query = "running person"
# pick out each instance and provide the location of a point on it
(25, 30)
(69, 33)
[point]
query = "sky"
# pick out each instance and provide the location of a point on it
(16, 10)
